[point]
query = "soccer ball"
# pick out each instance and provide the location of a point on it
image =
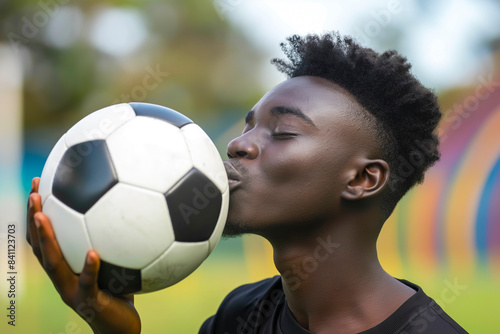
(144, 187)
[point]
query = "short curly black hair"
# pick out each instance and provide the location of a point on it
(406, 112)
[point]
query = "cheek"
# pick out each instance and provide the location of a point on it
(301, 164)
(303, 176)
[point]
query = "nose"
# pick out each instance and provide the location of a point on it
(243, 147)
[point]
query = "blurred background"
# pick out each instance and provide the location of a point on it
(61, 60)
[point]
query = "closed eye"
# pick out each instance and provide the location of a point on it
(283, 135)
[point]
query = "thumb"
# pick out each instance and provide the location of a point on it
(88, 277)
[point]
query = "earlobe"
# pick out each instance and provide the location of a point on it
(368, 180)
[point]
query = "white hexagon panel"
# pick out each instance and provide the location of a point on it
(205, 156)
(180, 260)
(149, 153)
(121, 223)
(99, 124)
(70, 230)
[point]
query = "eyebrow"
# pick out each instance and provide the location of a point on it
(282, 110)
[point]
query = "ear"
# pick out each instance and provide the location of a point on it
(367, 179)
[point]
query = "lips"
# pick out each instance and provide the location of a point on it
(233, 176)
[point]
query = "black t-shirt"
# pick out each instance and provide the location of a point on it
(261, 308)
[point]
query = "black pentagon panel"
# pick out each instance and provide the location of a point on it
(84, 174)
(118, 280)
(160, 112)
(194, 204)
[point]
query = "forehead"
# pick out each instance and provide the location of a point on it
(316, 97)
(335, 112)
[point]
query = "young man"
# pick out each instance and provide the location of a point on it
(318, 169)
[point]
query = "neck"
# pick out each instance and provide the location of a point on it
(332, 279)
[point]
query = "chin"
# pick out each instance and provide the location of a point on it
(235, 229)
(237, 225)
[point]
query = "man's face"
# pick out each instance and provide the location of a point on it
(289, 166)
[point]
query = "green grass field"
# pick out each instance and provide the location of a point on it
(182, 308)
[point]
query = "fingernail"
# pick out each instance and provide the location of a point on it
(90, 260)
(37, 223)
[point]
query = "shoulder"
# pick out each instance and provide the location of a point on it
(242, 302)
(249, 293)
(423, 315)
(440, 322)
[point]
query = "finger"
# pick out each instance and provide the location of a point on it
(34, 188)
(28, 217)
(35, 205)
(35, 183)
(88, 277)
(53, 261)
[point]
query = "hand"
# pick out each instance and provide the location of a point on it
(102, 311)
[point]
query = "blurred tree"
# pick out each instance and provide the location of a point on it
(188, 58)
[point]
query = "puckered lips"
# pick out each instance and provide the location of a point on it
(233, 176)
